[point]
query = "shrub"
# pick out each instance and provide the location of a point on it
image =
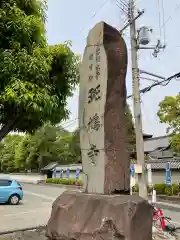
(163, 189)
(168, 191)
(175, 189)
(160, 188)
(135, 188)
(65, 181)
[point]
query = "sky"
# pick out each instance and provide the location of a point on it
(72, 20)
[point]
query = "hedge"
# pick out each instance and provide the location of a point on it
(65, 181)
(162, 189)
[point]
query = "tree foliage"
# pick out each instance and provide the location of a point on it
(34, 151)
(131, 132)
(7, 152)
(36, 79)
(49, 143)
(169, 113)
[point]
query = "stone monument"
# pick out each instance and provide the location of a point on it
(102, 112)
(98, 212)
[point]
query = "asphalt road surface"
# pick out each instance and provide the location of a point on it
(34, 210)
(36, 206)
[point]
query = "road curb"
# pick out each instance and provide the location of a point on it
(164, 198)
(173, 199)
(60, 185)
(168, 207)
(35, 228)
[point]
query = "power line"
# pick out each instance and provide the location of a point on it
(149, 79)
(162, 83)
(171, 16)
(69, 123)
(159, 16)
(144, 90)
(96, 13)
(163, 19)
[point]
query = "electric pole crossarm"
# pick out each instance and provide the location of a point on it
(131, 21)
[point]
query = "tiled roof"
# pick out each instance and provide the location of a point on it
(161, 164)
(50, 166)
(153, 144)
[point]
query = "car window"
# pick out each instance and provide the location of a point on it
(5, 182)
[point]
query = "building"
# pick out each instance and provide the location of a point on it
(158, 147)
(159, 154)
(55, 170)
(157, 151)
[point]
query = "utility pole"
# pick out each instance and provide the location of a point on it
(139, 38)
(137, 104)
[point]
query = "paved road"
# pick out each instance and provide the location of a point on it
(35, 209)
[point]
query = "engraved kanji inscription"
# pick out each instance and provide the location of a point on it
(93, 152)
(98, 57)
(94, 123)
(94, 94)
(90, 78)
(91, 56)
(97, 71)
(91, 66)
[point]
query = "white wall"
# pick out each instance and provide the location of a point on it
(72, 175)
(159, 177)
(28, 178)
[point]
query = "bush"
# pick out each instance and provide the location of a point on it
(160, 188)
(175, 189)
(65, 181)
(135, 188)
(163, 189)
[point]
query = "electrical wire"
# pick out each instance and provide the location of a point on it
(96, 13)
(143, 91)
(123, 12)
(149, 79)
(171, 16)
(122, 6)
(159, 17)
(163, 20)
(69, 123)
(162, 83)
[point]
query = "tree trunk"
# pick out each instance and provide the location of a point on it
(7, 128)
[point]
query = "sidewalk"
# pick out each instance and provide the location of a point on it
(168, 205)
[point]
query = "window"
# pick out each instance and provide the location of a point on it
(5, 182)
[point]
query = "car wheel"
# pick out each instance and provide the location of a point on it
(14, 199)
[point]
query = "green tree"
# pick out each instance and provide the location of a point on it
(169, 113)
(7, 152)
(74, 145)
(64, 151)
(33, 151)
(36, 79)
(131, 132)
(48, 144)
(22, 152)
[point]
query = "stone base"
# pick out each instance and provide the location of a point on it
(78, 215)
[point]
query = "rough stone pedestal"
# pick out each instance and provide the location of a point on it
(91, 216)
